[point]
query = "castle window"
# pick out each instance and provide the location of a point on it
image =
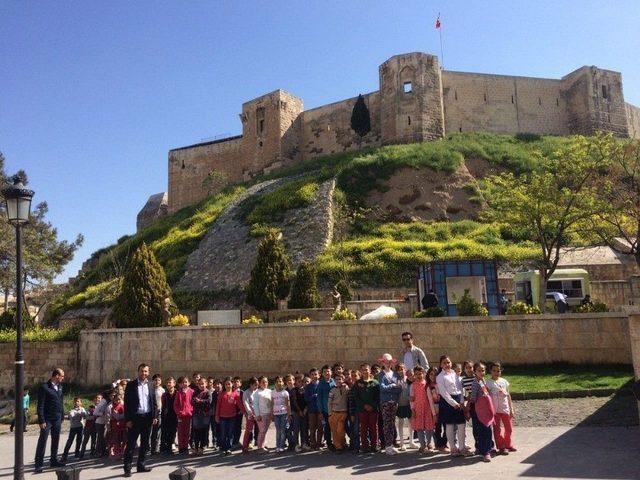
(557, 102)
(455, 94)
(539, 101)
(485, 97)
(183, 164)
(511, 98)
(604, 91)
(260, 120)
(407, 87)
(460, 129)
(409, 120)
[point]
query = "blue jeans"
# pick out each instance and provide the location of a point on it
(482, 435)
(354, 434)
(294, 430)
(227, 427)
(281, 430)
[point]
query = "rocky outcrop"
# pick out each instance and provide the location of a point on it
(423, 194)
(227, 253)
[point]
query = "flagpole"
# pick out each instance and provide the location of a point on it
(441, 49)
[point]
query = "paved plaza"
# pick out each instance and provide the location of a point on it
(544, 452)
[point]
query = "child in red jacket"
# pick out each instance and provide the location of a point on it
(184, 411)
(228, 406)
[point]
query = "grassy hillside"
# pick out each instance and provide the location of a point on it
(375, 254)
(387, 254)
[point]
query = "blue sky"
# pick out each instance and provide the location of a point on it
(94, 94)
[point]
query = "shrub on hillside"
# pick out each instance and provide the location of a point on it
(343, 314)
(143, 293)
(522, 308)
(430, 312)
(304, 288)
(270, 275)
(467, 306)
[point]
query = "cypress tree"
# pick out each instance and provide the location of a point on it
(270, 275)
(304, 290)
(144, 289)
(360, 118)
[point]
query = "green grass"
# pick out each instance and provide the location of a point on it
(269, 209)
(360, 172)
(388, 254)
(559, 377)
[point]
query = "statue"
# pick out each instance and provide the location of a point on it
(337, 298)
(166, 312)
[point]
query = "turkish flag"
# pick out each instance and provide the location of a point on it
(438, 22)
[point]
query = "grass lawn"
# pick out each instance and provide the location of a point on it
(555, 377)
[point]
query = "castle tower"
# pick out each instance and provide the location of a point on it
(411, 99)
(595, 101)
(269, 127)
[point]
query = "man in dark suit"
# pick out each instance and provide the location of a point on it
(50, 415)
(140, 414)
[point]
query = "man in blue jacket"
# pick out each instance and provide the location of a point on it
(324, 387)
(50, 415)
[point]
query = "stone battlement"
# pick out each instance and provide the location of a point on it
(417, 101)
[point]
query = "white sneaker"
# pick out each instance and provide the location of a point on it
(402, 448)
(390, 451)
(412, 445)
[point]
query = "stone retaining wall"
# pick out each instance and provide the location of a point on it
(272, 349)
(40, 360)
(634, 336)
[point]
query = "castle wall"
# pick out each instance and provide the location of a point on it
(416, 102)
(503, 104)
(189, 166)
(327, 129)
(633, 120)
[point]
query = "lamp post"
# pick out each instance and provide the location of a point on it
(18, 206)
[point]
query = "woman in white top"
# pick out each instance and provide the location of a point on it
(262, 409)
(451, 404)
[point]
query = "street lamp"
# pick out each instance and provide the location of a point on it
(18, 205)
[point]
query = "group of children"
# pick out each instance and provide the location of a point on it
(379, 407)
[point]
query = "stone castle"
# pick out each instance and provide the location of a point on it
(417, 101)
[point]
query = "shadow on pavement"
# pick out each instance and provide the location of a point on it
(605, 445)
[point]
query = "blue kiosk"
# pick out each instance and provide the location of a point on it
(449, 280)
